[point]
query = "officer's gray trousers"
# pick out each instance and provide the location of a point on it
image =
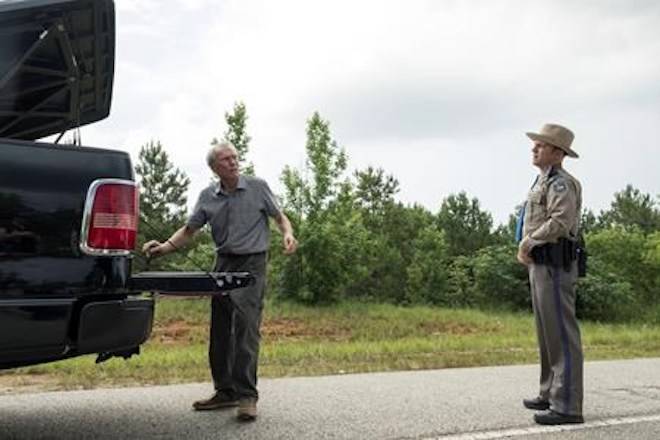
(235, 323)
(560, 347)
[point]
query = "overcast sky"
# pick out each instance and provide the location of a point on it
(437, 93)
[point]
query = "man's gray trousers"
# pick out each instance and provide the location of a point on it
(235, 322)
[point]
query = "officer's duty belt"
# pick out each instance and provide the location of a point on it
(560, 254)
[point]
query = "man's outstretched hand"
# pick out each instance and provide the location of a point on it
(290, 244)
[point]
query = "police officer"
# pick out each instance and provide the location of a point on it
(550, 221)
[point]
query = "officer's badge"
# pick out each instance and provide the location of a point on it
(559, 186)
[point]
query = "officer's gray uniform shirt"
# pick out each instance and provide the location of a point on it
(238, 220)
(552, 209)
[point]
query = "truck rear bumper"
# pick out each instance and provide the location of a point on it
(114, 325)
(44, 330)
(33, 329)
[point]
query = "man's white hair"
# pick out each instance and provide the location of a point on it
(215, 149)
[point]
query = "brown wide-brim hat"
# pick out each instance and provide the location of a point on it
(555, 135)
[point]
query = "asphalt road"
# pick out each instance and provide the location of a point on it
(622, 401)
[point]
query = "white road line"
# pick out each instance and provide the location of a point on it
(518, 432)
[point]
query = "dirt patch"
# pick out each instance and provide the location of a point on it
(176, 332)
(296, 329)
(456, 328)
(172, 332)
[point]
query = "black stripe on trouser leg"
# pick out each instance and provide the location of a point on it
(567, 379)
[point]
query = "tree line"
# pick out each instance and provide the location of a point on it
(358, 242)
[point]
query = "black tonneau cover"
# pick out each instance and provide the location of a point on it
(56, 65)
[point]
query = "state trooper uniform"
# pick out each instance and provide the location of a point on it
(550, 221)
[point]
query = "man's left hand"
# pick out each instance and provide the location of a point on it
(290, 244)
(524, 258)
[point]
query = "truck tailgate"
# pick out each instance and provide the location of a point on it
(190, 283)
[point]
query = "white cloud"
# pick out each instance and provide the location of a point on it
(437, 93)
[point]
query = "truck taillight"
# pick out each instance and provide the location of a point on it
(111, 217)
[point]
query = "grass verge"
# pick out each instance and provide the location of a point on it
(345, 338)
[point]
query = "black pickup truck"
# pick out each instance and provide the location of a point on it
(69, 214)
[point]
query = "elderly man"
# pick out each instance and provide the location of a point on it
(548, 249)
(237, 208)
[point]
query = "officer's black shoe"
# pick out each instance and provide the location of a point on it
(536, 403)
(551, 417)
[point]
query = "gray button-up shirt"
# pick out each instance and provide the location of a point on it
(238, 220)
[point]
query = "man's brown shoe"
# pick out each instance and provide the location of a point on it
(247, 409)
(219, 400)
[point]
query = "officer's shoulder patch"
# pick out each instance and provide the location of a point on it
(559, 185)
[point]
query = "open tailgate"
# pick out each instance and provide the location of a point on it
(190, 283)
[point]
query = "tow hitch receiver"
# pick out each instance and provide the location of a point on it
(104, 356)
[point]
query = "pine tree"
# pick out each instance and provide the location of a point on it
(163, 191)
(326, 162)
(467, 227)
(332, 235)
(632, 208)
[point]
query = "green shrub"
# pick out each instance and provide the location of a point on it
(500, 279)
(330, 259)
(460, 283)
(492, 278)
(603, 296)
(427, 272)
(651, 259)
(620, 252)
